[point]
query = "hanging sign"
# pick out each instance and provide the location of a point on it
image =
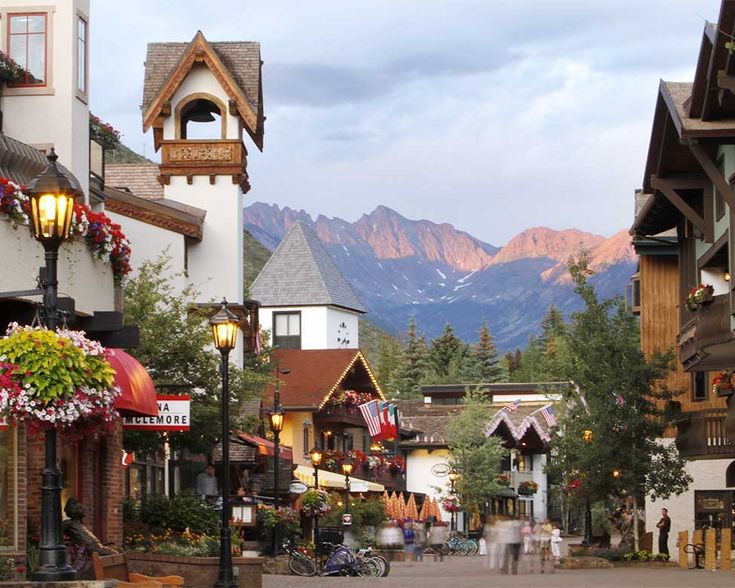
(297, 487)
(4, 424)
(173, 415)
(347, 519)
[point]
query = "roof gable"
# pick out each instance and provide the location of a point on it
(302, 273)
(316, 374)
(235, 65)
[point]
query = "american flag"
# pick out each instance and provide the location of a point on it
(371, 414)
(512, 406)
(548, 413)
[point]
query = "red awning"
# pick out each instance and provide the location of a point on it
(138, 392)
(266, 447)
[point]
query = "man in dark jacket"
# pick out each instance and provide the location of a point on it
(664, 526)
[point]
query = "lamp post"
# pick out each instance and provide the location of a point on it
(225, 326)
(347, 470)
(453, 477)
(275, 417)
(52, 205)
(315, 455)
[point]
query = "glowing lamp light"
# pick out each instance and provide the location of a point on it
(315, 455)
(454, 475)
(276, 420)
(225, 327)
(51, 196)
(347, 468)
(616, 473)
(588, 436)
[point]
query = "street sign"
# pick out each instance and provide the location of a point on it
(173, 415)
(358, 486)
(440, 470)
(347, 519)
(297, 487)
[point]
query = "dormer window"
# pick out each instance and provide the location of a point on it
(287, 330)
(27, 45)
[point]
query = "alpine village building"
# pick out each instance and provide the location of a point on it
(188, 207)
(684, 233)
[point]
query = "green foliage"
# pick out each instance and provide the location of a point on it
(484, 363)
(162, 513)
(175, 346)
(475, 456)
(413, 365)
(365, 513)
(254, 256)
(447, 355)
(618, 387)
(547, 357)
(181, 543)
(52, 366)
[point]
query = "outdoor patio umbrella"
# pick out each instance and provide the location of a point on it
(424, 514)
(411, 510)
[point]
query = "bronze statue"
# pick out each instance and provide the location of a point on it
(79, 534)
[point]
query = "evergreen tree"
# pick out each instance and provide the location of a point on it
(447, 357)
(388, 364)
(513, 362)
(486, 365)
(411, 371)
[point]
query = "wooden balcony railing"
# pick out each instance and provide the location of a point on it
(703, 434)
(204, 157)
(710, 327)
(345, 415)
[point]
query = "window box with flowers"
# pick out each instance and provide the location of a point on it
(104, 133)
(699, 296)
(722, 384)
(528, 488)
(348, 399)
(502, 480)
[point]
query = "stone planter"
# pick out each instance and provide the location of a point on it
(197, 571)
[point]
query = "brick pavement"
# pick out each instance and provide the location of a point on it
(470, 572)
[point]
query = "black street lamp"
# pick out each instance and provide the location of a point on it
(275, 417)
(225, 328)
(347, 470)
(453, 477)
(315, 455)
(52, 196)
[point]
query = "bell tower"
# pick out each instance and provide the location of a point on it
(201, 99)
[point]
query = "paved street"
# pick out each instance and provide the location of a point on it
(457, 572)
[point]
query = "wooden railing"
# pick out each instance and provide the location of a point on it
(703, 434)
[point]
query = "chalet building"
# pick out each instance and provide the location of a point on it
(312, 313)
(683, 232)
(188, 207)
(525, 433)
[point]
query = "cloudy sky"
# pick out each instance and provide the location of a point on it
(492, 115)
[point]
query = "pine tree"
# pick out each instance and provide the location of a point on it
(486, 365)
(447, 357)
(388, 364)
(411, 371)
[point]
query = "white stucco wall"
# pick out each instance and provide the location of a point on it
(149, 242)
(82, 276)
(708, 474)
(336, 317)
(313, 324)
(54, 115)
(419, 477)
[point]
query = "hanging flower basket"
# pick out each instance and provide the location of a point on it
(502, 479)
(56, 380)
(315, 503)
(722, 384)
(698, 296)
(451, 504)
(528, 488)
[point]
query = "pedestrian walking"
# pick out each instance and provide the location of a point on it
(664, 526)
(556, 543)
(527, 534)
(546, 529)
(409, 540)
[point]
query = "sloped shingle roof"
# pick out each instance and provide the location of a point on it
(242, 59)
(302, 273)
(140, 179)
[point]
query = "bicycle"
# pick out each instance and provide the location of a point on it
(698, 550)
(299, 563)
(382, 563)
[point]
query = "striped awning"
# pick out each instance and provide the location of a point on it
(332, 479)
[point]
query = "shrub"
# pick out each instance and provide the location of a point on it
(178, 513)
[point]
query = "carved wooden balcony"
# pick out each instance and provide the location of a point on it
(339, 415)
(707, 341)
(703, 434)
(204, 157)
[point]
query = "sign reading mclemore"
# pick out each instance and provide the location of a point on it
(173, 415)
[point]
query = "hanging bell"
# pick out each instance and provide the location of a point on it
(201, 111)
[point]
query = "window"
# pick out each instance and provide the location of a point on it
(27, 46)
(287, 330)
(524, 462)
(82, 55)
(525, 508)
(699, 386)
(306, 441)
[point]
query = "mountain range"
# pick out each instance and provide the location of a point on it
(435, 273)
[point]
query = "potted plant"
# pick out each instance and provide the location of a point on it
(700, 295)
(722, 384)
(502, 479)
(528, 488)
